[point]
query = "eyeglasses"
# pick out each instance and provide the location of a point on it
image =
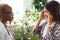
(7, 12)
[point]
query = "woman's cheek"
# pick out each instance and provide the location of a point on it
(46, 14)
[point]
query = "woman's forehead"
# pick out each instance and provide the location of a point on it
(45, 9)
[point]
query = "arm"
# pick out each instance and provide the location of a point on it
(36, 27)
(37, 24)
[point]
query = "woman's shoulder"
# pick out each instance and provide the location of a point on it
(57, 26)
(56, 32)
(2, 31)
(1, 24)
(56, 29)
(2, 28)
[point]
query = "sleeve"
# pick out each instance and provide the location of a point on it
(57, 33)
(7, 37)
(2, 35)
(38, 30)
(2, 31)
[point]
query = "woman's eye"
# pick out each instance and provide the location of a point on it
(47, 12)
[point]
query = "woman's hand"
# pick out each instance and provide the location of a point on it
(41, 15)
(39, 20)
(49, 19)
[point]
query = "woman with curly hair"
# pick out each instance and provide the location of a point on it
(5, 15)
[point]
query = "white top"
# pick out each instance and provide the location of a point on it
(46, 28)
(3, 32)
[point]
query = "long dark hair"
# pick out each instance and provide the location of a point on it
(54, 8)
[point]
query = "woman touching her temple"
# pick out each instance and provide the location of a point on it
(50, 30)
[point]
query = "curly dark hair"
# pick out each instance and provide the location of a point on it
(54, 8)
(5, 12)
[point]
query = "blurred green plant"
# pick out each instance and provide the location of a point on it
(25, 27)
(39, 4)
(23, 30)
